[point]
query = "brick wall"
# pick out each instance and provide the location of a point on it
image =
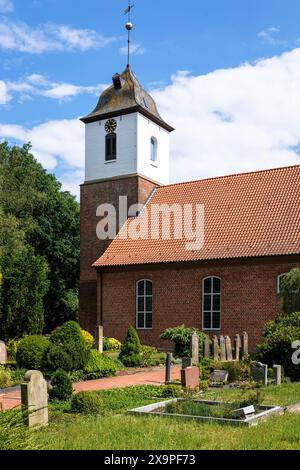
(249, 296)
(137, 189)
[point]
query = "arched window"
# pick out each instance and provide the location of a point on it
(144, 305)
(280, 278)
(211, 303)
(111, 147)
(153, 149)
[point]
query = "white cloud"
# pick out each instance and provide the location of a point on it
(39, 85)
(228, 121)
(6, 6)
(135, 49)
(271, 36)
(234, 120)
(19, 36)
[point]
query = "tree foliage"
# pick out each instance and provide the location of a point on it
(290, 291)
(36, 217)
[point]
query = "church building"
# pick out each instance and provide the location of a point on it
(228, 284)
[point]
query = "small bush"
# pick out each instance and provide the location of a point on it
(254, 397)
(130, 354)
(181, 337)
(111, 344)
(173, 408)
(5, 378)
(172, 391)
(11, 347)
(67, 350)
(147, 353)
(61, 384)
(31, 352)
(203, 385)
(88, 339)
(98, 366)
(206, 368)
(87, 403)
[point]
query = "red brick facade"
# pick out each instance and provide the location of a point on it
(248, 289)
(137, 189)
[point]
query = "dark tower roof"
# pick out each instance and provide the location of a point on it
(126, 96)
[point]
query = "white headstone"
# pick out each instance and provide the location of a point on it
(3, 353)
(34, 397)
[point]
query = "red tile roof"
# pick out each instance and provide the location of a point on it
(246, 215)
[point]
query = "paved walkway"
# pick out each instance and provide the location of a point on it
(12, 399)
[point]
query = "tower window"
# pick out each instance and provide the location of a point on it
(153, 149)
(211, 303)
(111, 147)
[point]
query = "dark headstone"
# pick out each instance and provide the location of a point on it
(220, 376)
(187, 362)
(259, 373)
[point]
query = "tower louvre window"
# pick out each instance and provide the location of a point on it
(111, 147)
(153, 149)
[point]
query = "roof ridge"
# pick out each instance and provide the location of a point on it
(233, 175)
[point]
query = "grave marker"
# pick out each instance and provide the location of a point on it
(3, 353)
(220, 376)
(259, 373)
(216, 348)
(195, 348)
(228, 346)
(99, 339)
(187, 362)
(223, 348)
(207, 347)
(245, 344)
(237, 347)
(34, 398)
(277, 374)
(190, 378)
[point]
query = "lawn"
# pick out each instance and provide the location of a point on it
(118, 431)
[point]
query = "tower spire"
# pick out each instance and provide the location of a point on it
(129, 27)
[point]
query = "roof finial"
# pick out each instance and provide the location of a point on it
(129, 27)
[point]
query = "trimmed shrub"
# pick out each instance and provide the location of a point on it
(62, 388)
(147, 353)
(203, 385)
(277, 343)
(130, 354)
(181, 337)
(31, 352)
(5, 378)
(237, 371)
(11, 347)
(67, 350)
(111, 344)
(88, 339)
(99, 365)
(87, 403)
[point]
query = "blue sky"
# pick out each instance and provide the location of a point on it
(57, 55)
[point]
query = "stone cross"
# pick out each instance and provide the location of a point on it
(277, 374)
(237, 347)
(245, 344)
(3, 353)
(34, 398)
(228, 346)
(223, 348)
(216, 348)
(99, 339)
(259, 373)
(207, 347)
(195, 348)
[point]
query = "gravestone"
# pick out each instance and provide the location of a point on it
(237, 347)
(99, 339)
(277, 374)
(207, 347)
(228, 348)
(195, 348)
(216, 348)
(187, 362)
(223, 348)
(244, 412)
(245, 345)
(3, 353)
(34, 398)
(259, 373)
(190, 378)
(220, 376)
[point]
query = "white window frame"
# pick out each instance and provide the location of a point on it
(279, 277)
(153, 150)
(212, 299)
(137, 296)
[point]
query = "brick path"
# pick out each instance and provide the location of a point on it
(156, 376)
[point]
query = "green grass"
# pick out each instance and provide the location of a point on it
(118, 431)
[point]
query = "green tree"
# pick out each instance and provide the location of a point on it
(46, 219)
(24, 286)
(290, 292)
(130, 353)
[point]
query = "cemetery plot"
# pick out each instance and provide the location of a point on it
(215, 411)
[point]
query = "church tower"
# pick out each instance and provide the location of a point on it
(127, 151)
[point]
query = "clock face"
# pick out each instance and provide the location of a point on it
(110, 126)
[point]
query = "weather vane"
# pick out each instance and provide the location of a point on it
(129, 26)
